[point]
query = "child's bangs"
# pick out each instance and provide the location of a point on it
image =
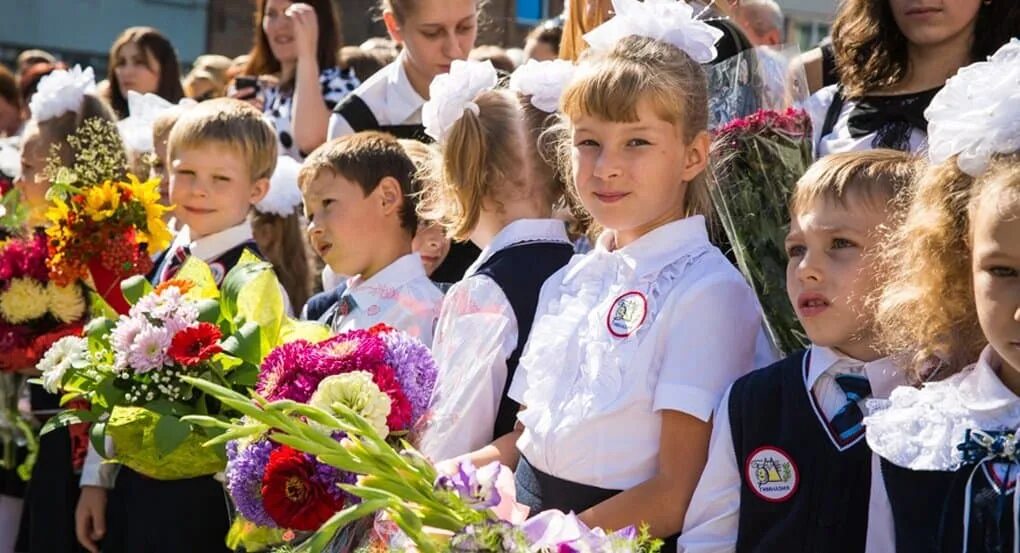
(613, 90)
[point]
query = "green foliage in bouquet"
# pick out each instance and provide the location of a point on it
(756, 161)
(132, 369)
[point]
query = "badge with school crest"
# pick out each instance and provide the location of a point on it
(771, 474)
(627, 314)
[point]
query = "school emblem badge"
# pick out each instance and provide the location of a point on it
(771, 474)
(627, 314)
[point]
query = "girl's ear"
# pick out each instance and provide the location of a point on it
(392, 26)
(696, 157)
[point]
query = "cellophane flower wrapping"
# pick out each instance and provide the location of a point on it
(186, 327)
(757, 160)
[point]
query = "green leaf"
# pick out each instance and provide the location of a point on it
(134, 288)
(234, 282)
(209, 311)
(246, 375)
(170, 432)
(246, 344)
(66, 418)
(97, 435)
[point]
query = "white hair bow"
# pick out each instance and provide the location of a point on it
(284, 195)
(671, 21)
(452, 93)
(144, 109)
(62, 91)
(544, 81)
(977, 114)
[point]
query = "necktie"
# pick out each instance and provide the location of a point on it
(180, 255)
(344, 308)
(847, 421)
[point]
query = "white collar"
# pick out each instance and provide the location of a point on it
(212, 246)
(660, 247)
(393, 276)
(401, 98)
(883, 375)
(920, 428)
(519, 231)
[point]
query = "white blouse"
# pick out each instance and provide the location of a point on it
(476, 334)
(840, 139)
(390, 97)
(666, 322)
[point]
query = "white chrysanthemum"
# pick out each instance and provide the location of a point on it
(62, 91)
(66, 353)
(452, 93)
(66, 303)
(23, 301)
(977, 114)
(671, 21)
(544, 81)
(356, 391)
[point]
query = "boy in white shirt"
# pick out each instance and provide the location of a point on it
(359, 200)
(787, 467)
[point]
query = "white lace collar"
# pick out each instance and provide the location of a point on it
(660, 247)
(919, 429)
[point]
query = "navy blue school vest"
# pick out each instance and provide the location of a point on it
(799, 492)
(520, 272)
(928, 509)
(220, 266)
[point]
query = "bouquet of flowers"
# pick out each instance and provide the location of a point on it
(756, 162)
(385, 375)
(104, 225)
(467, 509)
(132, 369)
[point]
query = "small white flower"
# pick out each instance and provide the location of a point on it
(977, 114)
(543, 81)
(671, 21)
(452, 93)
(61, 92)
(66, 353)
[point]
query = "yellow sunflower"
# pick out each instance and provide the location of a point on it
(102, 201)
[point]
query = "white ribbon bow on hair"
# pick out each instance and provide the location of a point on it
(452, 93)
(61, 91)
(977, 114)
(284, 196)
(144, 109)
(671, 21)
(544, 81)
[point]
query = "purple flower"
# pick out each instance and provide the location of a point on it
(245, 468)
(148, 352)
(416, 369)
(355, 350)
(291, 371)
(475, 486)
(491, 535)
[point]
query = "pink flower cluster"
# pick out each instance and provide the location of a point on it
(792, 121)
(24, 258)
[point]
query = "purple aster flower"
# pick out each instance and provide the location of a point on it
(245, 468)
(475, 486)
(355, 350)
(290, 371)
(416, 369)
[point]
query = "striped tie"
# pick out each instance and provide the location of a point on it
(181, 254)
(847, 421)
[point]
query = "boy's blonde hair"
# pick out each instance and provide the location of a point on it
(165, 121)
(610, 85)
(927, 311)
(876, 177)
(230, 123)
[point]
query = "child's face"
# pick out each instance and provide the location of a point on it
(161, 169)
(33, 183)
(435, 33)
(632, 177)
(432, 244)
(212, 188)
(996, 271)
(344, 223)
(832, 271)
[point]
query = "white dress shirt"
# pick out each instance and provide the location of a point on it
(389, 95)
(400, 295)
(712, 518)
(476, 334)
(666, 322)
(840, 140)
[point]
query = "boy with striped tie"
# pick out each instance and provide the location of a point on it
(788, 469)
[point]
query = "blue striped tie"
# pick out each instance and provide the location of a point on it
(847, 421)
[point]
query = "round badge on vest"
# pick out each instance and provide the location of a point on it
(771, 474)
(219, 272)
(627, 314)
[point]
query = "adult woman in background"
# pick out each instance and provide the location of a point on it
(142, 60)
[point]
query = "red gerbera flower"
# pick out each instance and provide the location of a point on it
(291, 494)
(399, 418)
(195, 344)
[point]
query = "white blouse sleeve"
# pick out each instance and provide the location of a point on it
(338, 126)
(817, 108)
(710, 342)
(713, 516)
(475, 334)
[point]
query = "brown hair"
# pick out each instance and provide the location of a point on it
(365, 63)
(548, 32)
(232, 123)
(871, 51)
(282, 241)
(263, 62)
(610, 85)
(873, 176)
(366, 158)
(927, 312)
(9, 90)
(495, 54)
(151, 42)
(55, 131)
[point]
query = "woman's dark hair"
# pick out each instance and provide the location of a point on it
(871, 51)
(9, 87)
(150, 41)
(263, 62)
(549, 32)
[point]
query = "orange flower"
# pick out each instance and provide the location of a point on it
(183, 285)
